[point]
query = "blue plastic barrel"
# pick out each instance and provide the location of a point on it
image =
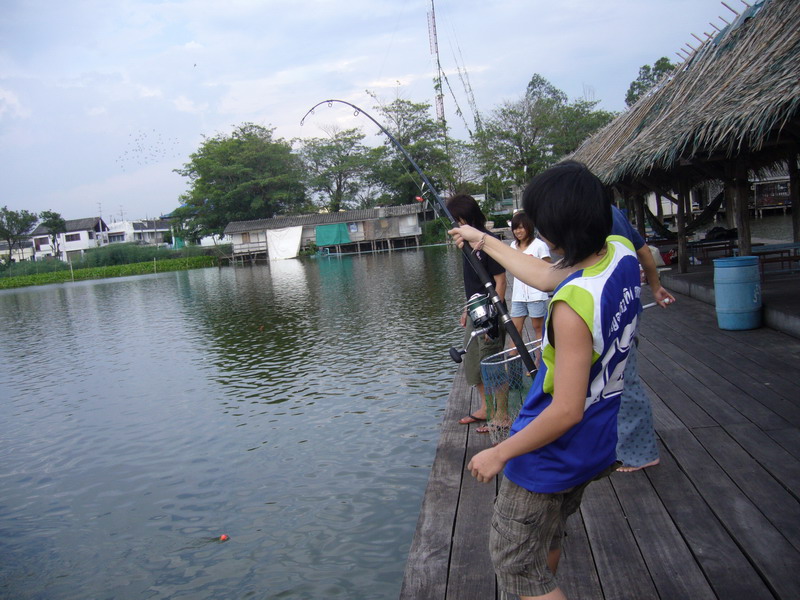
(737, 289)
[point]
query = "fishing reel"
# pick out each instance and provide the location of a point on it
(483, 315)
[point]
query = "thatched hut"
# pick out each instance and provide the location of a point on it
(731, 109)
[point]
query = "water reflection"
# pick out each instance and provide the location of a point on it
(293, 406)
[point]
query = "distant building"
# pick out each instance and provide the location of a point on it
(364, 230)
(81, 235)
(21, 251)
(147, 231)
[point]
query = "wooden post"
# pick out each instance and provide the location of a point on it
(683, 250)
(794, 194)
(629, 202)
(730, 197)
(638, 204)
(742, 206)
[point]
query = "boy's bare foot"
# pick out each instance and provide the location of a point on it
(626, 469)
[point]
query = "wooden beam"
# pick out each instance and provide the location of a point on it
(658, 190)
(794, 194)
(742, 205)
(683, 250)
(638, 206)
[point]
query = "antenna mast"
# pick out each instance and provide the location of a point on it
(438, 80)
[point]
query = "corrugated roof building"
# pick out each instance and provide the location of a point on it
(345, 231)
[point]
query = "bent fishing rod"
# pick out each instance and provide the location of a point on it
(473, 261)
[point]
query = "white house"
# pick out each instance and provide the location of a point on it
(146, 231)
(80, 235)
(21, 251)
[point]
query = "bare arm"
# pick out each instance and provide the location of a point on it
(532, 271)
(500, 283)
(662, 296)
(571, 380)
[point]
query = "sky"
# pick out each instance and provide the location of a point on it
(101, 101)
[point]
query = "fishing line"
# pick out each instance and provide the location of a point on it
(473, 261)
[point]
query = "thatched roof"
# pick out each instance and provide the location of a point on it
(739, 92)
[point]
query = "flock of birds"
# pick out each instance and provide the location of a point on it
(146, 148)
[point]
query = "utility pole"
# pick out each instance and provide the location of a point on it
(438, 80)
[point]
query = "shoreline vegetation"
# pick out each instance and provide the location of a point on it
(127, 270)
(114, 260)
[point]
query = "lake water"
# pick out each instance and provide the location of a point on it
(294, 407)
(773, 226)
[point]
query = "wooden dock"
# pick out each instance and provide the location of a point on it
(718, 518)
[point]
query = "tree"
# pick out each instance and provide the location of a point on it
(244, 176)
(574, 123)
(410, 123)
(524, 137)
(335, 166)
(465, 168)
(15, 226)
(55, 225)
(648, 77)
(516, 138)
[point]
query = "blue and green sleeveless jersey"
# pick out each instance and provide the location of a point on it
(606, 296)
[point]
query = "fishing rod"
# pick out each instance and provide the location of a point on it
(483, 275)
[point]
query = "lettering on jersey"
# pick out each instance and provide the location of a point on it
(609, 382)
(629, 295)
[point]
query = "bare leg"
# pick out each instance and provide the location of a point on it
(552, 564)
(552, 560)
(519, 323)
(538, 325)
(481, 412)
(556, 594)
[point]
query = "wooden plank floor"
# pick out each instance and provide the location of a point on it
(718, 518)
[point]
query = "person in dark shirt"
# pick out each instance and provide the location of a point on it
(465, 211)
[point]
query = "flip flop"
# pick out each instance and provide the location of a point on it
(470, 419)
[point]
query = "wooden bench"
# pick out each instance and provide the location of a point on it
(785, 255)
(717, 248)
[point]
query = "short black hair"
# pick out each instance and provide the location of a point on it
(464, 206)
(571, 208)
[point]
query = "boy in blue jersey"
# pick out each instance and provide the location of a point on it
(566, 433)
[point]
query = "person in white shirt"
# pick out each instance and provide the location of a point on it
(527, 301)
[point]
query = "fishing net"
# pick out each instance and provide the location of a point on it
(506, 385)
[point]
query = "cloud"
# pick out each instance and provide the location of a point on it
(11, 106)
(146, 92)
(184, 104)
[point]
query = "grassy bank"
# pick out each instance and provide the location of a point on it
(140, 268)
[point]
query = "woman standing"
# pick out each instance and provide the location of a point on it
(527, 301)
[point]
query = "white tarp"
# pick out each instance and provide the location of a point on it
(284, 243)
